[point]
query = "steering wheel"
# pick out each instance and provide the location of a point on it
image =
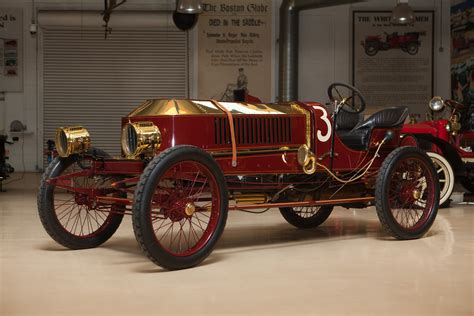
(455, 105)
(349, 97)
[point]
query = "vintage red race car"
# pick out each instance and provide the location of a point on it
(408, 42)
(449, 143)
(186, 163)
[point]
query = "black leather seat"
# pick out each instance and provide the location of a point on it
(358, 137)
(345, 122)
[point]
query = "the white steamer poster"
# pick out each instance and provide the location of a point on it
(393, 64)
(235, 49)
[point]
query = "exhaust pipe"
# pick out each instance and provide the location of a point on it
(288, 50)
(251, 198)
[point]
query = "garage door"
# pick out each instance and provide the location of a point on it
(93, 82)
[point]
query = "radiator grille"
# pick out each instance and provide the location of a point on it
(255, 130)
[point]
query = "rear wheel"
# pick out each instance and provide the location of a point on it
(306, 217)
(67, 208)
(446, 178)
(407, 193)
(468, 184)
(180, 207)
(412, 48)
(371, 48)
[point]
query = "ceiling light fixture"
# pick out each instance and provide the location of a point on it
(189, 6)
(402, 13)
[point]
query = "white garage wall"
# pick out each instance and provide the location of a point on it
(24, 106)
(325, 40)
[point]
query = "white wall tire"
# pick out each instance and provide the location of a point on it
(446, 177)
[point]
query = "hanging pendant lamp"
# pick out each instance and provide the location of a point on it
(402, 14)
(189, 6)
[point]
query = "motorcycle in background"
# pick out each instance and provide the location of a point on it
(5, 168)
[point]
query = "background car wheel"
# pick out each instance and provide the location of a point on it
(468, 184)
(371, 48)
(306, 217)
(446, 178)
(74, 220)
(407, 193)
(412, 48)
(180, 209)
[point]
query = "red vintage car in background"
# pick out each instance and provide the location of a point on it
(186, 163)
(408, 42)
(450, 144)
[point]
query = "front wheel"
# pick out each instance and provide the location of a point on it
(180, 207)
(67, 206)
(306, 217)
(407, 193)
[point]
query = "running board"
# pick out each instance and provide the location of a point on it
(303, 203)
(113, 200)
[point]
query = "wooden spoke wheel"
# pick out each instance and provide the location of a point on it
(407, 193)
(446, 178)
(180, 207)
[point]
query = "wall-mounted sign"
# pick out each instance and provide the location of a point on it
(462, 53)
(235, 49)
(11, 64)
(393, 64)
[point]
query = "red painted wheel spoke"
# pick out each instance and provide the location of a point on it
(66, 211)
(184, 209)
(410, 193)
(75, 209)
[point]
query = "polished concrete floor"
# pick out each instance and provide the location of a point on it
(262, 266)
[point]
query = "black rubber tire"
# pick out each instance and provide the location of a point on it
(371, 48)
(48, 216)
(389, 223)
(144, 191)
(292, 217)
(412, 48)
(468, 184)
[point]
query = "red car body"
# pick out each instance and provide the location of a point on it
(187, 162)
(454, 145)
(408, 42)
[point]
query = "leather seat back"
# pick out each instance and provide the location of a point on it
(346, 121)
(387, 118)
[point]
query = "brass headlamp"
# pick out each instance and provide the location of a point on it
(140, 138)
(437, 104)
(72, 140)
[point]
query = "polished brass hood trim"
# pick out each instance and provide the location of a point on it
(200, 107)
(308, 122)
(255, 151)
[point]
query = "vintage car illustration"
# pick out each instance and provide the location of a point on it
(186, 163)
(408, 42)
(449, 143)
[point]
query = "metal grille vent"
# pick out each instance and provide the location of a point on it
(253, 131)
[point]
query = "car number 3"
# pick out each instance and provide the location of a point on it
(325, 119)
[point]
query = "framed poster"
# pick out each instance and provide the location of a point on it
(462, 54)
(11, 63)
(392, 65)
(235, 49)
